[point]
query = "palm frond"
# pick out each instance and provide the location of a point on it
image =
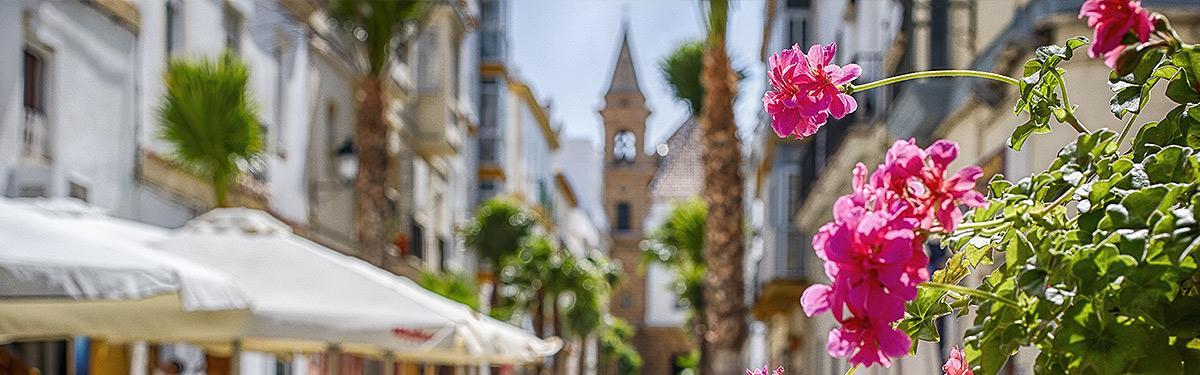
(376, 24)
(209, 118)
(681, 69)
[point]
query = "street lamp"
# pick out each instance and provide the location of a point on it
(347, 161)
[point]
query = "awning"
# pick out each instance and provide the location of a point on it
(306, 297)
(68, 269)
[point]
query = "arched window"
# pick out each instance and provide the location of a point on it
(624, 146)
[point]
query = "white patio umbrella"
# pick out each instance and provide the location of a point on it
(306, 297)
(66, 268)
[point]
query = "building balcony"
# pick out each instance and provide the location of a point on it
(782, 277)
(193, 190)
(438, 129)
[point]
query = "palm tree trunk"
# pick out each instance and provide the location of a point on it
(723, 253)
(698, 330)
(371, 208)
(220, 189)
(560, 358)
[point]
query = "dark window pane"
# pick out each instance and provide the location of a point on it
(418, 240)
(623, 219)
(443, 253)
(34, 82)
(939, 34)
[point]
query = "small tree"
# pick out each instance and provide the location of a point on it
(209, 119)
(499, 227)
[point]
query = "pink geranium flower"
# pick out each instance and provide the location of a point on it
(867, 341)
(918, 176)
(956, 365)
(807, 90)
(1112, 20)
(764, 371)
(873, 249)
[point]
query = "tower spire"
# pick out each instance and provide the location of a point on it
(624, 78)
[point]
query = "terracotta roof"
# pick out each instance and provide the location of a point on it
(680, 172)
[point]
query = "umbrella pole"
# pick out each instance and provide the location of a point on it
(389, 363)
(235, 358)
(333, 359)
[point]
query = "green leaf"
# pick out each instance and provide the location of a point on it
(1023, 131)
(1179, 91)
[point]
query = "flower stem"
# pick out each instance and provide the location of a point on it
(1125, 130)
(932, 74)
(971, 292)
(1071, 119)
(981, 224)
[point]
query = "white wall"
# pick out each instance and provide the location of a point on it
(90, 97)
(661, 300)
(11, 108)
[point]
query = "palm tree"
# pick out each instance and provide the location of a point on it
(376, 25)
(499, 227)
(207, 115)
(682, 69)
(723, 240)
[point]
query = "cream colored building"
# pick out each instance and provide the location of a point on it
(988, 35)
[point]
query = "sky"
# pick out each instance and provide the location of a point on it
(566, 49)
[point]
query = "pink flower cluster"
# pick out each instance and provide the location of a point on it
(956, 365)
(873, 249)
(807, 90)
(1112, 20)
(764, 371)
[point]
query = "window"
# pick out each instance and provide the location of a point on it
(492, 43)
(280, 77)
(487, 190)
(233, 29)
(623, 217)
(256, 167)
(543, 192)
(443, 254)
(174, 34)
(798, 24)
(77, 191)
(490, 139)
(331, 145)
(418, 239)
(939, 34)
(428, 60)
(624, 146)
(793, 195)
(35, 72)
(36, 133)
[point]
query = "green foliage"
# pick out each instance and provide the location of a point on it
(209, 118)
(678, 244)
(540, 269)
(682, 69)
(615, 347)
(1043, 91)
(499, 227)
(376, 24)
(454, 286)
(1095, 257)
